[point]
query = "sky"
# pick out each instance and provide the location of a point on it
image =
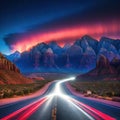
(25, 23)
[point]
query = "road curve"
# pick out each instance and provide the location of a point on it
(58, 103)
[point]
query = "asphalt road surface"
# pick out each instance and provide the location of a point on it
(58, 103)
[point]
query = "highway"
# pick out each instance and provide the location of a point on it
(58, 103)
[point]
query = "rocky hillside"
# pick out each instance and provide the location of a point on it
(7, 65)
(14, 56)
(104, 70)
(10, 74)
(82, 55)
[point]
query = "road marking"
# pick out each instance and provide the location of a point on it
(54, 110)
(58, 92)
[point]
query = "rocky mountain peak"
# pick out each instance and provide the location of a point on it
(89, 51)
(74, 50)
(7, 65)
(87, 41)
(1, 56)
(82, 54)
(49, 50)
(102, 62)
(66, 46)
(87, 37)
(106, 39)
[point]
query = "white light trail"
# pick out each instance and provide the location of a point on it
(58, 92)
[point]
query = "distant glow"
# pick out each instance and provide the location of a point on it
(66, 34)
(57, 91)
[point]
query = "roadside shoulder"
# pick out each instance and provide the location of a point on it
(76, 93)
(20, 98)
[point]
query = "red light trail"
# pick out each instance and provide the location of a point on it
(26, 111)
(92, 111)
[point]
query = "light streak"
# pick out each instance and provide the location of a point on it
(89, 111)
(58, 92)
(95, 111)
(25, 110)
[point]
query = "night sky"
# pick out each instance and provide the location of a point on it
(24, 23)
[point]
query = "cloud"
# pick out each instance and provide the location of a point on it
(26, 40)
(13, 38)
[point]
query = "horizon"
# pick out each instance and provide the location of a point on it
(59, 44)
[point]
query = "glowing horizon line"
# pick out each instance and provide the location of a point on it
(67, 33)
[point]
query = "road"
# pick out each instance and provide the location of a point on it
(58, 103)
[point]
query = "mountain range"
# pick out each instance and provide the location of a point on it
(104, 70)
(81, 56)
